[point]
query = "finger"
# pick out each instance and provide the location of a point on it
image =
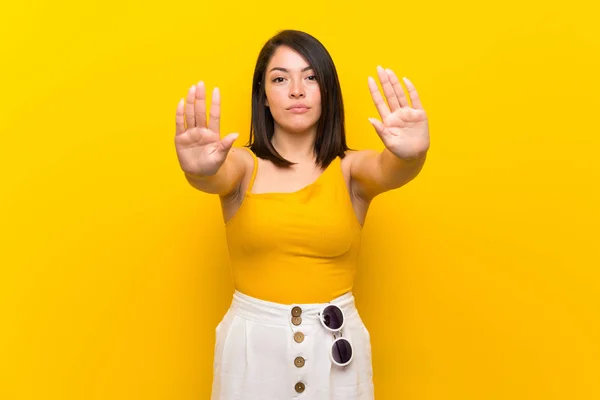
(414, 96)
(200, 105)
(179, 119)
(227, 141)
(190, 118)
(388, 90)
(215, 111)
(398, 89)
(382, 108)
(378, 125)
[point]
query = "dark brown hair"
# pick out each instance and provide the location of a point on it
(330, 141)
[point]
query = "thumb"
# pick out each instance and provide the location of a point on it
(227, 141)
(378, 125)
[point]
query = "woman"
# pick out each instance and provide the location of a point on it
(294, 201)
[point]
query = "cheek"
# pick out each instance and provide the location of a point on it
(316, 98)
(275, 98)
(316, 94)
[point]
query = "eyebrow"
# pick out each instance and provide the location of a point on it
(285, 70)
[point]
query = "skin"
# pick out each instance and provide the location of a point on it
(289, 81)
(213, 166)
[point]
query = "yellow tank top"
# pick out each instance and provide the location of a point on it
(297, 247)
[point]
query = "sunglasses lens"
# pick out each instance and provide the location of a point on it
(333, 317)
(341, 351)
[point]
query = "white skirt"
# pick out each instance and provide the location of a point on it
(261, 355)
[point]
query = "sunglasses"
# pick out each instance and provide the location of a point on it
(332, 318)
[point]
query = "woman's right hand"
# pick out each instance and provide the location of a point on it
(200, 149)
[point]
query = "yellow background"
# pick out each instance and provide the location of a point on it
(478, 280)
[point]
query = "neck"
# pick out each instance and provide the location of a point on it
(295, 146)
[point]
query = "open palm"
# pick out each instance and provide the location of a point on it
(200, 149)
(404, 130)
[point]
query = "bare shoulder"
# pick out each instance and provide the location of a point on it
(348, 163)
(355, 169)
(349, 156)
(243, 158)
(243, 161)
(352, 157)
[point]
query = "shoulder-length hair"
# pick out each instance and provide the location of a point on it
(330, 140)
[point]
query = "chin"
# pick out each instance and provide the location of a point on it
(298, 126)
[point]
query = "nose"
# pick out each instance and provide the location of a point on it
(297, 91)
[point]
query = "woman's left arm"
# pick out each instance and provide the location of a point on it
(404, 130)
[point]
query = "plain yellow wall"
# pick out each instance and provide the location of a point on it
(478, 280)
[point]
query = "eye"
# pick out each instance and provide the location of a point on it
(314, 77)
(276, 81)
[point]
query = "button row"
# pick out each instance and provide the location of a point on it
(298, 338)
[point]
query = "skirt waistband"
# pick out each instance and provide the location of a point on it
(280, 314)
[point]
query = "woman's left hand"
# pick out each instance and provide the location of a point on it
(404, 130)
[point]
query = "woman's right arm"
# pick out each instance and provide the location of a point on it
(208, 162)
(227, 179)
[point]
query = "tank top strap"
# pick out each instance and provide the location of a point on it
(333, 170)
(327, 174)
(336, 180)
(253, 177)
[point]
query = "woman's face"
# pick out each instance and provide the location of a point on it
(292, 91)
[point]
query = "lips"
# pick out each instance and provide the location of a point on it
(298, 107)
(298, 110)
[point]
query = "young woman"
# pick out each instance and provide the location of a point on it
(294, 201)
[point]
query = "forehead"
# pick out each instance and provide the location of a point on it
(285, 57)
